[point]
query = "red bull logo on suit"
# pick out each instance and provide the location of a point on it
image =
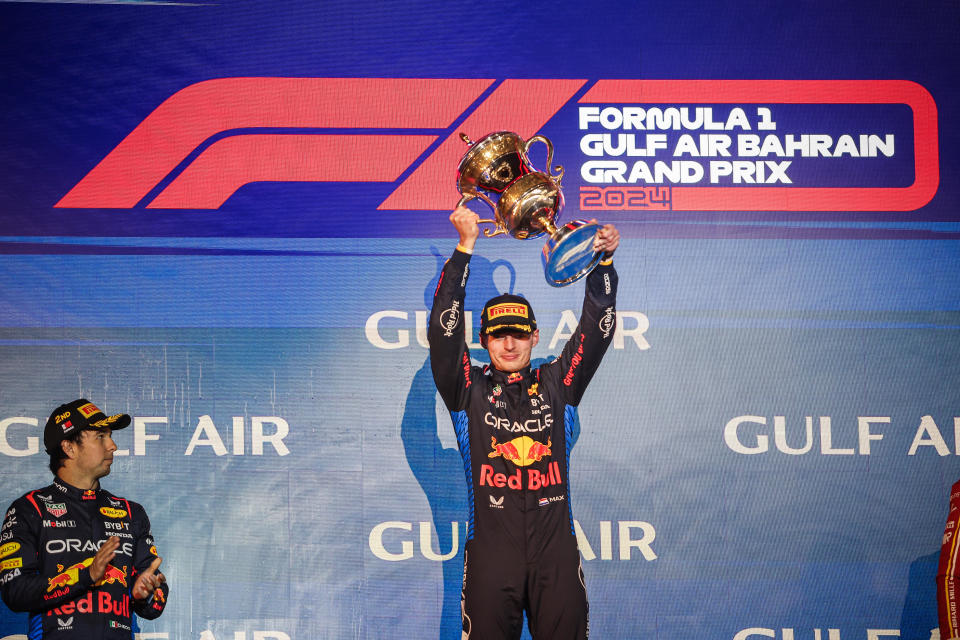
(520, 451)
(535, 479)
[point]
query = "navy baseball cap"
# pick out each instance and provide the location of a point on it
(68, 419)
(507, 311)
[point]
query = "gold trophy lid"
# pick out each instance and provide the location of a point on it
(502, 139)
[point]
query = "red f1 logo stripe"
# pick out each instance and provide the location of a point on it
(230, 163)
(189, 117)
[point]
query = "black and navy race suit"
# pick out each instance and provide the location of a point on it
(515, 434)
(48, 541)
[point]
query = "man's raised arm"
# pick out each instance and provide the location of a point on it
(583, 352)
(449, 355)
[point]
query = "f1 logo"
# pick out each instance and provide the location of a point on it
(234, 131)
(362, 130)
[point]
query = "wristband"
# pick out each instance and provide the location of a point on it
(463, 249)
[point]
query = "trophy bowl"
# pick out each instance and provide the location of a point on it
(494, 163)
(526, 202)
(529, 207)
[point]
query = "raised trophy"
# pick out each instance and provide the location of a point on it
(526, 202)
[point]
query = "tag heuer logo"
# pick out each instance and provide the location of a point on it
(56, 509)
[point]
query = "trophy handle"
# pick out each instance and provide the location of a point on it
(497, 227)
(538, 138)
(558, 176)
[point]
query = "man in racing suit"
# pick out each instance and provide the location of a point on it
(79, 559)
(514, 428)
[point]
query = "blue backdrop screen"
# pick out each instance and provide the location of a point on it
(227, 219)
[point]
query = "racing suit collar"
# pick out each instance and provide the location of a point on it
(509, 378)
(74, 492)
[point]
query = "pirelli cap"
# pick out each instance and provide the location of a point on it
(68, 419)
(507, 311)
